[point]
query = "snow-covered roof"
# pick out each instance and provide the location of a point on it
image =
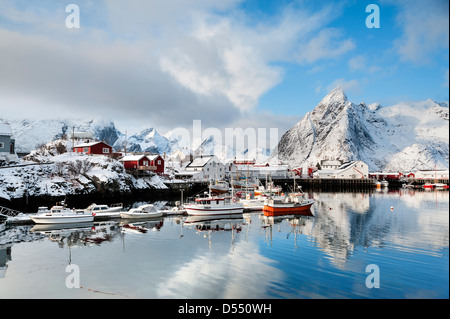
(129, 158)
(347, 165)
(89, 144)
(5, 129)
(153, 157)
(139, 157)
(200, 161)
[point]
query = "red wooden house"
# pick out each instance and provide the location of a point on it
(158, 162)
(153, 163)
(97, 148)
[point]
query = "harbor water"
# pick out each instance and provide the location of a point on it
(385, 244)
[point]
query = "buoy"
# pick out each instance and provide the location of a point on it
(392, 207)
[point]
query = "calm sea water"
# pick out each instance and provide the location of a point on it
(403, 236)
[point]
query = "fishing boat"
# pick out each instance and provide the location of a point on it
(60, 214)
(219, 187)
(269, 189)
(293, 203)
(214, 205)
(143, 211)
(105, 211)
(255, 202)
(428, 185)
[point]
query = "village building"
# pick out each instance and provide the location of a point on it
(7, 144)
(330, 164)
(432, 174)
(244, 169)
(144, 163)
(349, 170)
(93, 148)
(386, 175)
(206, 167)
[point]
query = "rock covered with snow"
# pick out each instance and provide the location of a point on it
(401, 137)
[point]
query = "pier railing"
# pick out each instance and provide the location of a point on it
(8, 212)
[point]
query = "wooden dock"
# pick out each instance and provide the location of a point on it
(326, 184)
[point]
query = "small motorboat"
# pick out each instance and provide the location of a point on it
(105, 211)
(61, 215)
(143, 211)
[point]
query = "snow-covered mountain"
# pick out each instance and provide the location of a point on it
(401, 137)
(404, 136)
(30, 134)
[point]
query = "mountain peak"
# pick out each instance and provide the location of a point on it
(336, 95)
(333, 102)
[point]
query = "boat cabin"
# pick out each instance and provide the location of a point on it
(214, 200)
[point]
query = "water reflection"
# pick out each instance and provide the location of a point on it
(208, 225)
(254, 256)
(78, 234)
(297, 225)
(141, 226)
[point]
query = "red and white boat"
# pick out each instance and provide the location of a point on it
(294, 203)
(214, 205)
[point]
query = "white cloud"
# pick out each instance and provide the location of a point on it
(164, 62)
(327, 44)
(360, 63)
(425, 26)
(346, 85)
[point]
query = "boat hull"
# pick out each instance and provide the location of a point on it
(107, 215)
(140, 215)
(64, 219)
(200, 210)
(292, 209)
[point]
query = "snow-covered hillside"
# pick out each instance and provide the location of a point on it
(53, 172)
(401, 137)
(30, 134)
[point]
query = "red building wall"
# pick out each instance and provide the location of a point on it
(159, 167)
(94, 149)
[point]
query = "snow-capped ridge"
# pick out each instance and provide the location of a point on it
(401, 137)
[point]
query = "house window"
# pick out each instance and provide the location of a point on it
(2, 145)
(159, 162)
(105, 150)
(145, 163)
(86, 150)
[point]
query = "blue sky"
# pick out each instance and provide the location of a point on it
(230, 63)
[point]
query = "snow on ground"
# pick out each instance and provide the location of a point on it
(49, 173)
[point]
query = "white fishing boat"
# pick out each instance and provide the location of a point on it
(105, 211)
(214, 205)
(253, 203)
(61, 215)
(143, 211)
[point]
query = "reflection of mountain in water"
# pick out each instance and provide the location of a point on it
(346, 221)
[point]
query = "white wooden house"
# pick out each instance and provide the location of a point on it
(206, 167)
(349, 170)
